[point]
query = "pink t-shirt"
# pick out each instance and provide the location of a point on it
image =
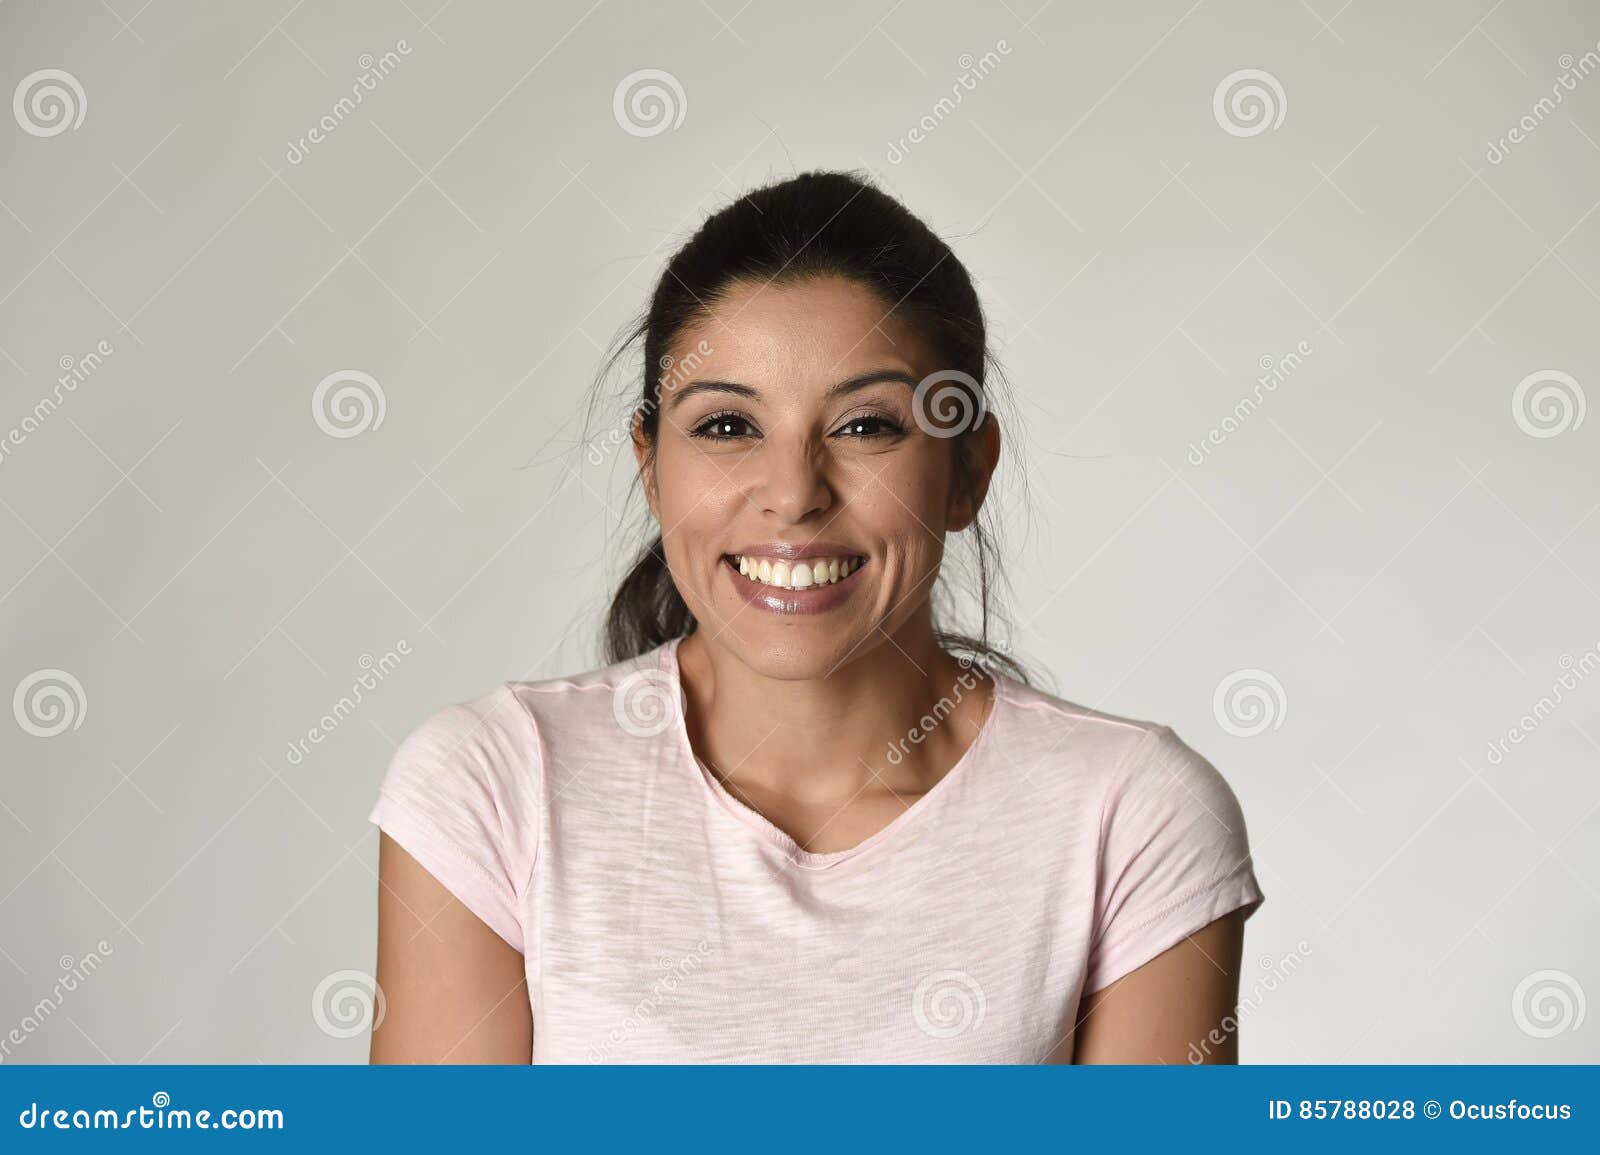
(664, 921)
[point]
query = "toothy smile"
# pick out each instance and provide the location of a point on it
(796, 575)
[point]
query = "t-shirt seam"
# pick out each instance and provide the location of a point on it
(1186, 897)
(1082, 713)
(536, 774)
(560, 686)
(451, 843)
(1097, 932)
(1115, 775)
(613, 677)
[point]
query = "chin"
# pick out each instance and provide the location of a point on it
(794, 653)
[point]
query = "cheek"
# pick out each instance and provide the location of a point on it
(693, 490)
(900, 499)
(906, 486)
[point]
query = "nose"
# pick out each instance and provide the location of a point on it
(792, 482)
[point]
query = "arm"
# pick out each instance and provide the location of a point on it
(454, 991)
(1180, 1007)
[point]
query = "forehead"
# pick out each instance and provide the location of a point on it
(827, 327)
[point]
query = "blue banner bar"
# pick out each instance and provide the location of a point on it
(816, 1108)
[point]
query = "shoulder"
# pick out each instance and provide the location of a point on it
(1134, 767)
(487, 735)
(627, 696)
(501, 739)
(466, 780)
(466, 789)
(1093, 747)
(1171, 851)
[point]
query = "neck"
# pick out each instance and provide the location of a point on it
(896, 711)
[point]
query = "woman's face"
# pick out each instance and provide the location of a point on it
(787, 436)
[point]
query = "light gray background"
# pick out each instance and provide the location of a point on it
(1382, 536)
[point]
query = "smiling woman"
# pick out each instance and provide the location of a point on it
(793, 819)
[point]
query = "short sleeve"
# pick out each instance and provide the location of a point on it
(461, 795)
(1174, 857)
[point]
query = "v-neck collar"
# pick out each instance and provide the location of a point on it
(779, 838)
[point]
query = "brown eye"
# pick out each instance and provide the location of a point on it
(721, 427)
(869, 425)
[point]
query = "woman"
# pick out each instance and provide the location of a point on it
(786, 823)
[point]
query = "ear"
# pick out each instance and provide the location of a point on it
(980, 451)
(641, 456)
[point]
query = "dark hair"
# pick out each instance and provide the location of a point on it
(814, 224)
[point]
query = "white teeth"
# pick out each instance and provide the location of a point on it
(796, 575)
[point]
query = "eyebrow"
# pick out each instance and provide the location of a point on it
(849, 385)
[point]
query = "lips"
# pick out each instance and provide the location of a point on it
(839, 574)
(795, 551)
